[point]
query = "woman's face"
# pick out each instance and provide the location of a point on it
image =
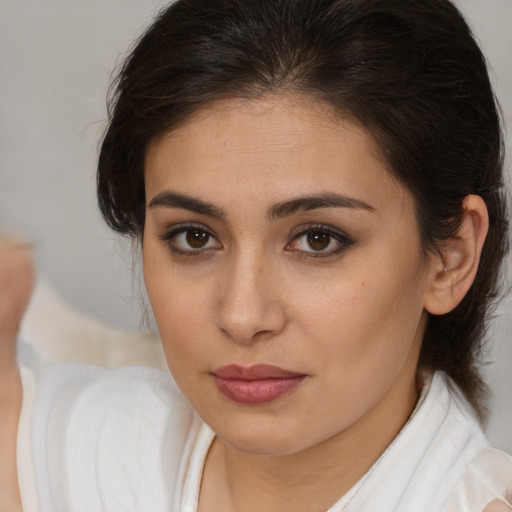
(284, 269)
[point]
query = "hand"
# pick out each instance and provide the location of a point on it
(17, 276)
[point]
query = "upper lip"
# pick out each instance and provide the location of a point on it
(254, 372)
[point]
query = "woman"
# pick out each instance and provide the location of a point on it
(316, 187)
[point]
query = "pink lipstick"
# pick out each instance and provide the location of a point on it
(255, 385)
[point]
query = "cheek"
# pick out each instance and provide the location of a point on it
(181, 310)
(360, 341)
(364, 323)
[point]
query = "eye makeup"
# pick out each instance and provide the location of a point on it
(318, 241)
(190, 239)
(307, 241)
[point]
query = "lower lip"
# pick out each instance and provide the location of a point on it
(257, 392)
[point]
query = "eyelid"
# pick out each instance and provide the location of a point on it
(177, 229)
(172, 230)
(337, 234)
(340, 236)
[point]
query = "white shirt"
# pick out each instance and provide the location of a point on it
(98, 440)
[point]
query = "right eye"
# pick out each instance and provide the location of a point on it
(190, 240)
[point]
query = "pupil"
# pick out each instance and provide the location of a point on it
(318, 240)
(197, 238)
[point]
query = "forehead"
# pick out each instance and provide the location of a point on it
(269, 149)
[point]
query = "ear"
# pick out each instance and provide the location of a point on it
(452, 273)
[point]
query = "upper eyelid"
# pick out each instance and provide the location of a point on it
(295, 233)
(306, 228)
(178, 229)
(185, 226)
(344, 241)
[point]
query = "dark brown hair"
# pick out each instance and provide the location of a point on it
(407, 70)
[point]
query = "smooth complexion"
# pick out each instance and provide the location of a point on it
(17, 277)
(275, 236)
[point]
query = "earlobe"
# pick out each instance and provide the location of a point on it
(452, 273)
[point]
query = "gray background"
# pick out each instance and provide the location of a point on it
(56, 58)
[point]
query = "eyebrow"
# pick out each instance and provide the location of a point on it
(170, 199)
(173, 200)
(306, 203)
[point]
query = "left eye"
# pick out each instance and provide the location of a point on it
(190, 240)
(319, 240)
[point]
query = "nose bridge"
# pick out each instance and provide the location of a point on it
(249, 305)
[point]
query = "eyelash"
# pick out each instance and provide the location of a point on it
(343, 240)
(171, 235)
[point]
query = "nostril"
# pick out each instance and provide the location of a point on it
(249, 308)
(254, 324)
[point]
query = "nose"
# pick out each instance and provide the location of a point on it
(249, 305)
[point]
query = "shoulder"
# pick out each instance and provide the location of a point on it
(102, 436)
(485, 486)
(485, 483)
(438, 447)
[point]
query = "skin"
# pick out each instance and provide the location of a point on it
(16, 283)
(351, 317)
(352, 321)
(497, 506)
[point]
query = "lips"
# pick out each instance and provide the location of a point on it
(255, 385)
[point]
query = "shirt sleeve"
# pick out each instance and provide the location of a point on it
(97, 439)
(486, 486)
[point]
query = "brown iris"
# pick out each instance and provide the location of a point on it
(318, 240)
(197, 238)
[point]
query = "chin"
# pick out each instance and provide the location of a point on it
(262, 446)
(267, 437)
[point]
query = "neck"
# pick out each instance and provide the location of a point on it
(314, 478)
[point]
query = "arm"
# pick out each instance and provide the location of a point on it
(10, 408)
(16, 283)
